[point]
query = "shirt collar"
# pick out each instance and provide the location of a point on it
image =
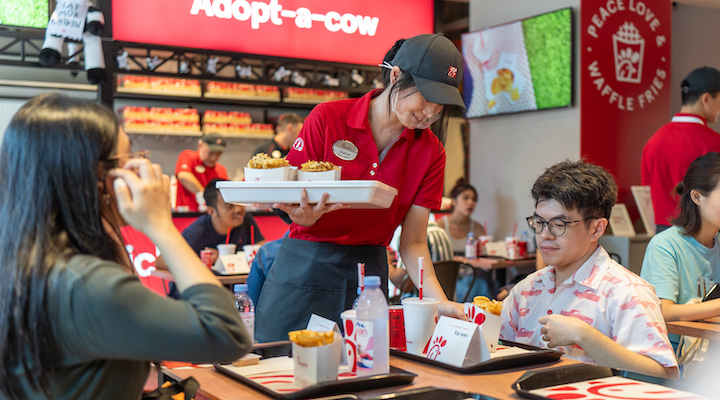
(590, 274)
(358, 116)
(689, 118)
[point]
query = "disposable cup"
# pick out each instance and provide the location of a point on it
(348, 320)
(512, 245)
(420, 320)
(397, 328)
(482, 242)
(226, 249)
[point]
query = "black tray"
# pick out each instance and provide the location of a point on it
(539, 355)
(540, 379)
(431, 393)
(395, 377)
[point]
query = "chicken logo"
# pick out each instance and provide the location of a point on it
(299, 144)
(435, 347)
(475, 315)
(452, 72)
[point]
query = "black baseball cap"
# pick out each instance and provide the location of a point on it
(215, 141)
(436, 65)
(705, 79)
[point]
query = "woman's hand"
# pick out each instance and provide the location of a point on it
(306, 214)
(143, 195)
(452, 309)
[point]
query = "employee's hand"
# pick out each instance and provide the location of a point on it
(143, 195)
(561, 330)
(452, 309)
(200, 200)
(307, 214)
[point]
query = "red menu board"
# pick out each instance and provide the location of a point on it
(624, 93)
(348, 31)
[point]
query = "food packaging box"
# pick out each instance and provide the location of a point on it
(317, 364)
(332, 175)
(267, 175)
(489, 324)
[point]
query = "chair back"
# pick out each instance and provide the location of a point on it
(447, 273)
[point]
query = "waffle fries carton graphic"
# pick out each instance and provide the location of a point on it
(629, 52)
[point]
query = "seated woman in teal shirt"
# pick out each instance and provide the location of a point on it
(686, 256)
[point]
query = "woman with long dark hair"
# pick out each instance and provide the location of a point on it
(74, 320)
(685, 258)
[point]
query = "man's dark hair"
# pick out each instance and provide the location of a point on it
(690, 98)
(211, 193)
(577, 185)
(702, 175)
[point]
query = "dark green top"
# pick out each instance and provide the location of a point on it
(108, 326)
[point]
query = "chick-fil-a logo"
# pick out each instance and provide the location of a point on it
(258, 12)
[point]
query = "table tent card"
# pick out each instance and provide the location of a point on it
(232, 264)
(320, 324)
(457, 343)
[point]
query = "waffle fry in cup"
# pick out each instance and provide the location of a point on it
(263, 168)
(319, 171)
(316, 356)
(486, 313)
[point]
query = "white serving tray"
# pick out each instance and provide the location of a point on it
(357, 194)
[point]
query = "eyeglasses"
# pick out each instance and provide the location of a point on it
(138, 154)
(556, 226)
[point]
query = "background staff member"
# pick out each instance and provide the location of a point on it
(287, 130)
(381, 136)
(210, 230)
(194, 169)
(673, 147)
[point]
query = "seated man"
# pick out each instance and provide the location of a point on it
(584, 302)
(211, 229)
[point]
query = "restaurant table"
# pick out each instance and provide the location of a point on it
(216, 386)
(493, 264)
(225, 280)
(706, 329)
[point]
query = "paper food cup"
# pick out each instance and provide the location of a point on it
(332, 175)
(226, 249)
(250, 251)
(420, 319)
(482, 242)
(316, 364)
(348, 320)
(489, 324)
(512, 243)
(267, 175)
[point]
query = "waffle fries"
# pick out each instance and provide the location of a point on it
(492, 306)
(317, 166)
(264, 161)
(307, 338)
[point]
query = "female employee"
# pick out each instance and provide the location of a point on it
(381, 136)
(74, 321)
(684, 258)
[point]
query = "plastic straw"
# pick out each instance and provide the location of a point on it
(361, 276)
(227, 237)
(514, 229)
(252, 234)
(420, 286)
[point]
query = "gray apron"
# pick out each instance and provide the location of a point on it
(312, 278)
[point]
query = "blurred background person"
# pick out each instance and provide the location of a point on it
(194, 169)
(287, 130)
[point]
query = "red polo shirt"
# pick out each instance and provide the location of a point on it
(189, 160)
(415, 166)
(667, 156)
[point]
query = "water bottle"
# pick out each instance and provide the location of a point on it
(470, 247)
(373, 331)
(246, 308)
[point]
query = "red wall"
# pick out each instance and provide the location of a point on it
(621, 110)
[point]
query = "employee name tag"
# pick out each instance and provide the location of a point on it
(200, 169)
(457, 343)
(345, 150)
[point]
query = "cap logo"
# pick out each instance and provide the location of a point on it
(452, 72)
(219, 141)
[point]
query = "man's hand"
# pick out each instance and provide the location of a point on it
(306, 214)
(562, 330)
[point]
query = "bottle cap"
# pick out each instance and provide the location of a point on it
(240, 288)
(372, 281)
